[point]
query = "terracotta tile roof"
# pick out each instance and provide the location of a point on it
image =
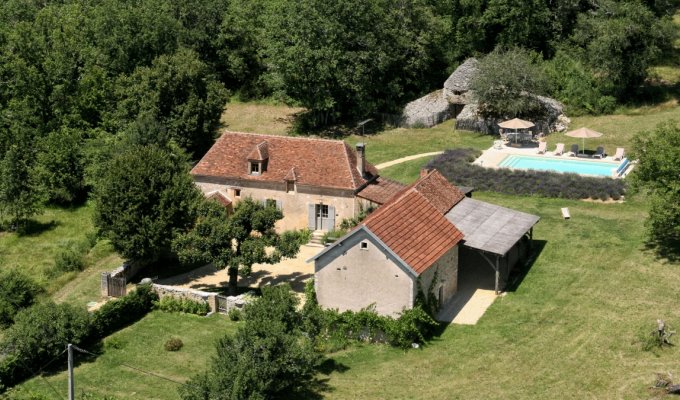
(438, 191)
(291, 175)
(414, 229)
(260, 152)
(381, 190)
(317, 162)
(219, 197)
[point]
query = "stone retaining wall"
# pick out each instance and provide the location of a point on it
(200, 296)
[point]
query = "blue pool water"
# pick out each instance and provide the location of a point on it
(599, 168)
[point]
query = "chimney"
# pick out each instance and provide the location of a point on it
(361, 159)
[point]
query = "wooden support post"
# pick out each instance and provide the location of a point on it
(531, 238)
(498, 274)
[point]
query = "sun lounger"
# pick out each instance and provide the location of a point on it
(599, 153)
(574, 150)
(542, 147)
(619, 154)
(559, 150)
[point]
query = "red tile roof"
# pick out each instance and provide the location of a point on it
(381, 190)
(438, 191)
(260, 152)
(219, 197)
(413, 225)
(317, 162)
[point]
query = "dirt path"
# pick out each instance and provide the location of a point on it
(408, 158)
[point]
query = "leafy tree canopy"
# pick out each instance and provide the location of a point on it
(236, 241)
(143, 197)
(507, 83)
(658, 173)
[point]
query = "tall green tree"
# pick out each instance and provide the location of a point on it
(350, 59)
(180, 93)
(658, 173)
(619, 40)
(267, 358)
(506, 84)
(20, 194)
(59, 165)
(143, 197)
(236, 241)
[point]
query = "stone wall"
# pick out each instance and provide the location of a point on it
(294, 204)
(201, 297)
(427, 111)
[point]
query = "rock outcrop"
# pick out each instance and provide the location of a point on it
(427, 111)
(457, 86)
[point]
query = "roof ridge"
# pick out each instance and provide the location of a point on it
(283, 136)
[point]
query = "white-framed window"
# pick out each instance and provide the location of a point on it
(290, 186)
(255, 168)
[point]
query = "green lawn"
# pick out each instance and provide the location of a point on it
(141, 346)
(568, 331)
(34, 253)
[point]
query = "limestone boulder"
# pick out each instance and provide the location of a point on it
(457, 86)
(426, 111)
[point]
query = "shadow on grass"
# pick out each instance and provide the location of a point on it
(318, 386)
(668, 250)
(35, 228)
(515, 279)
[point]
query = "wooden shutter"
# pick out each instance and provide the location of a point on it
(330, 221)
(311, 217)
(279, 205)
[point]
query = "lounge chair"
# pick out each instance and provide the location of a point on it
(559, 150)
(599, 153)
(542, 147)
(619, 154)
(574, 150)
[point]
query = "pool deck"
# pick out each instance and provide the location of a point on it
(492, 157)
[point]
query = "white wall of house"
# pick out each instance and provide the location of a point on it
(350, 277)
(297, 205)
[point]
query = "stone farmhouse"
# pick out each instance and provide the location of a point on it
(430, 229)
(315, 182)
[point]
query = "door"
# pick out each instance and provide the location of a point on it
(321, 217)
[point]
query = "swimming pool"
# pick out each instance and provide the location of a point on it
(582, 167)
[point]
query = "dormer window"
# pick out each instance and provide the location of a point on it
(257, 159)
(255, 168)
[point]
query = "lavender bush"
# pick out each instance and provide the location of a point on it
(456, 166)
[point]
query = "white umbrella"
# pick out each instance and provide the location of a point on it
(583, 133)
(516, 124)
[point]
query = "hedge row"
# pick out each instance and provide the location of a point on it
(456, 166)
(40, 333)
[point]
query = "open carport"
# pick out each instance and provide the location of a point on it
(496, 239)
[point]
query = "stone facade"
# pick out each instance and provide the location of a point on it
(350, 277)
(362, 272)
(297, 205)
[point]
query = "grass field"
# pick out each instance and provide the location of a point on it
(568, 331)
(141, 346)
(52, 231)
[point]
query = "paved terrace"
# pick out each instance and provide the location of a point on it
(492, 156)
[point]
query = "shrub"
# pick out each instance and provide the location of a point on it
(69, 259)
(173, 344)
(119, 313)
(235, 314)
(331, 236)
(17, 291)
(40, 334)
(455, 166)
(184, 305)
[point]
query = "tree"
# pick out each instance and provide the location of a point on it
(507, 83)
(142, 198)
(266, 358)
(619, 41)
(658, 173)
(350, 59)
(20, 195)
(236, 241)
(59, 166)
(17, 291)
(180, 93)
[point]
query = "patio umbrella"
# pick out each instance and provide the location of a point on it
(583, 133)
(516, 124)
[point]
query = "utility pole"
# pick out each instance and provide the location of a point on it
(71, 383)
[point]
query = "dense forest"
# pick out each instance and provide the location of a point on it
(80, 80)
